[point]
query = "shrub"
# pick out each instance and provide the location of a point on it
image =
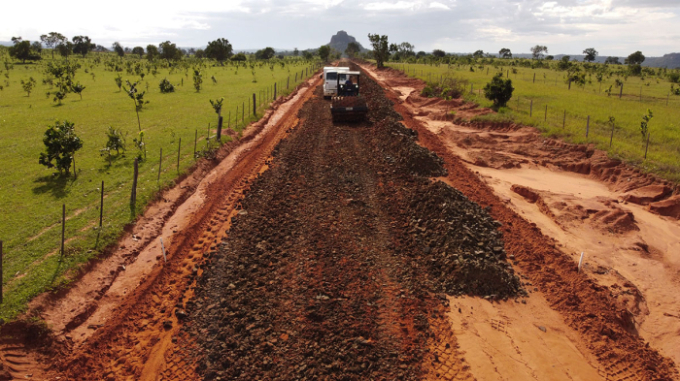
(674, 77)
(499, 91)
(166, 86)
(61, 143)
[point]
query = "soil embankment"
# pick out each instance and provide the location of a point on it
(557, 200)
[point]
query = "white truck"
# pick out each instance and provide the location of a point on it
(331, 74)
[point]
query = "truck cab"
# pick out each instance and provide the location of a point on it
(333, 75)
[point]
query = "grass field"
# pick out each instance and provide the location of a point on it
(550, 89)
(31, 196)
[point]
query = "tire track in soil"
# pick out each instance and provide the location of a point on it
(326, 273)
(142, 340)
(585, 306)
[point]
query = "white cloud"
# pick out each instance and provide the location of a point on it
(399, 5)
(436, 5)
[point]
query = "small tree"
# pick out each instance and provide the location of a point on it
(644, 125)
(61, 144)
(166, 86)
(439, 53)
(119, 81)
(591, 54)
(138, 50)
(78, 89)
(198, 80)
(28, 85)
(23, 50)
(217, 106)
(380, 49)
(636, 58)
(499, 91)
(136, 97)
(52, 39)
(115, 141)
(82, 45)
(151, 52)
(505, 53)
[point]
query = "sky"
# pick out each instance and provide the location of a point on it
(613, 27)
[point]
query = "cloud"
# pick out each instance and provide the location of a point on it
(614, 27)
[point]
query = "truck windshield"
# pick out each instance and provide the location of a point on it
(343, 78)
(332, 76)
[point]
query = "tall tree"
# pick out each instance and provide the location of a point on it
(591, 54)
(169, 51)
(478, 54)
(265, 54)
(22, 50)
(151, 52)
(324, 52)
(352, 49)
(52, 39)
(296, 52)
(439, 53)
(138, 50)
(65, 49)
(538, 50)
(380, 48)
(636, 58)
(82, 45)
(219, 49)
(505, 53)
(118, 49)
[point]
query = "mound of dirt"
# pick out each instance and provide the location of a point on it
(647, 194)
(669, 207)
(335, 266)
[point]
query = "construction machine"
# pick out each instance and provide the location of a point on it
(348, 105)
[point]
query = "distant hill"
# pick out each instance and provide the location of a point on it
(340, 41)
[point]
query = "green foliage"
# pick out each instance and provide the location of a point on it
(169, 51)
(439, 53)
(380, 49)
(352, 49)
(591, 55)
(152, 52)
(166, 86)
(499, 91)
(644, 125)
(636, 58)
(538, 50)
(505, 53)
(78, 89)
(22, 50)
(28, 85)
(115, 140)
(61, 143)
(135, 95)
(198, 80)
(239, 57)
(324, 52)
(82, 45)
(219, 49)
(63, 73)
(119, 81)
(674, 77)
(118, 49)
(265, 54)
(138, 50)
(217, 105)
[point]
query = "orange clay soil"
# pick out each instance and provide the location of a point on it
(117, 322)
(619, 318)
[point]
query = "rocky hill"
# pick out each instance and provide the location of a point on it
(340, 41)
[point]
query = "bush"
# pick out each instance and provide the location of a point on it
(674, 77)
(499, 91)
(166, 86)
(450, 88)
(61, 143)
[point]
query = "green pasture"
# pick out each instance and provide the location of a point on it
(568, 109)
(31, 196)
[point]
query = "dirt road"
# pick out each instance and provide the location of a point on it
(316, 250)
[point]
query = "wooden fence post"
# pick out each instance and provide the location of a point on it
(195, 142)
(647, 145)
(531, 108)
(219, 127)
(159, 165)
(254, 105)
(621, 91)
(546, 113)
(288, 83)
(243, 113)
(588, 126)
(101, 207)
(274, 90)
(611, 138)
(534, 78)
(63, 227)
(179, 151)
